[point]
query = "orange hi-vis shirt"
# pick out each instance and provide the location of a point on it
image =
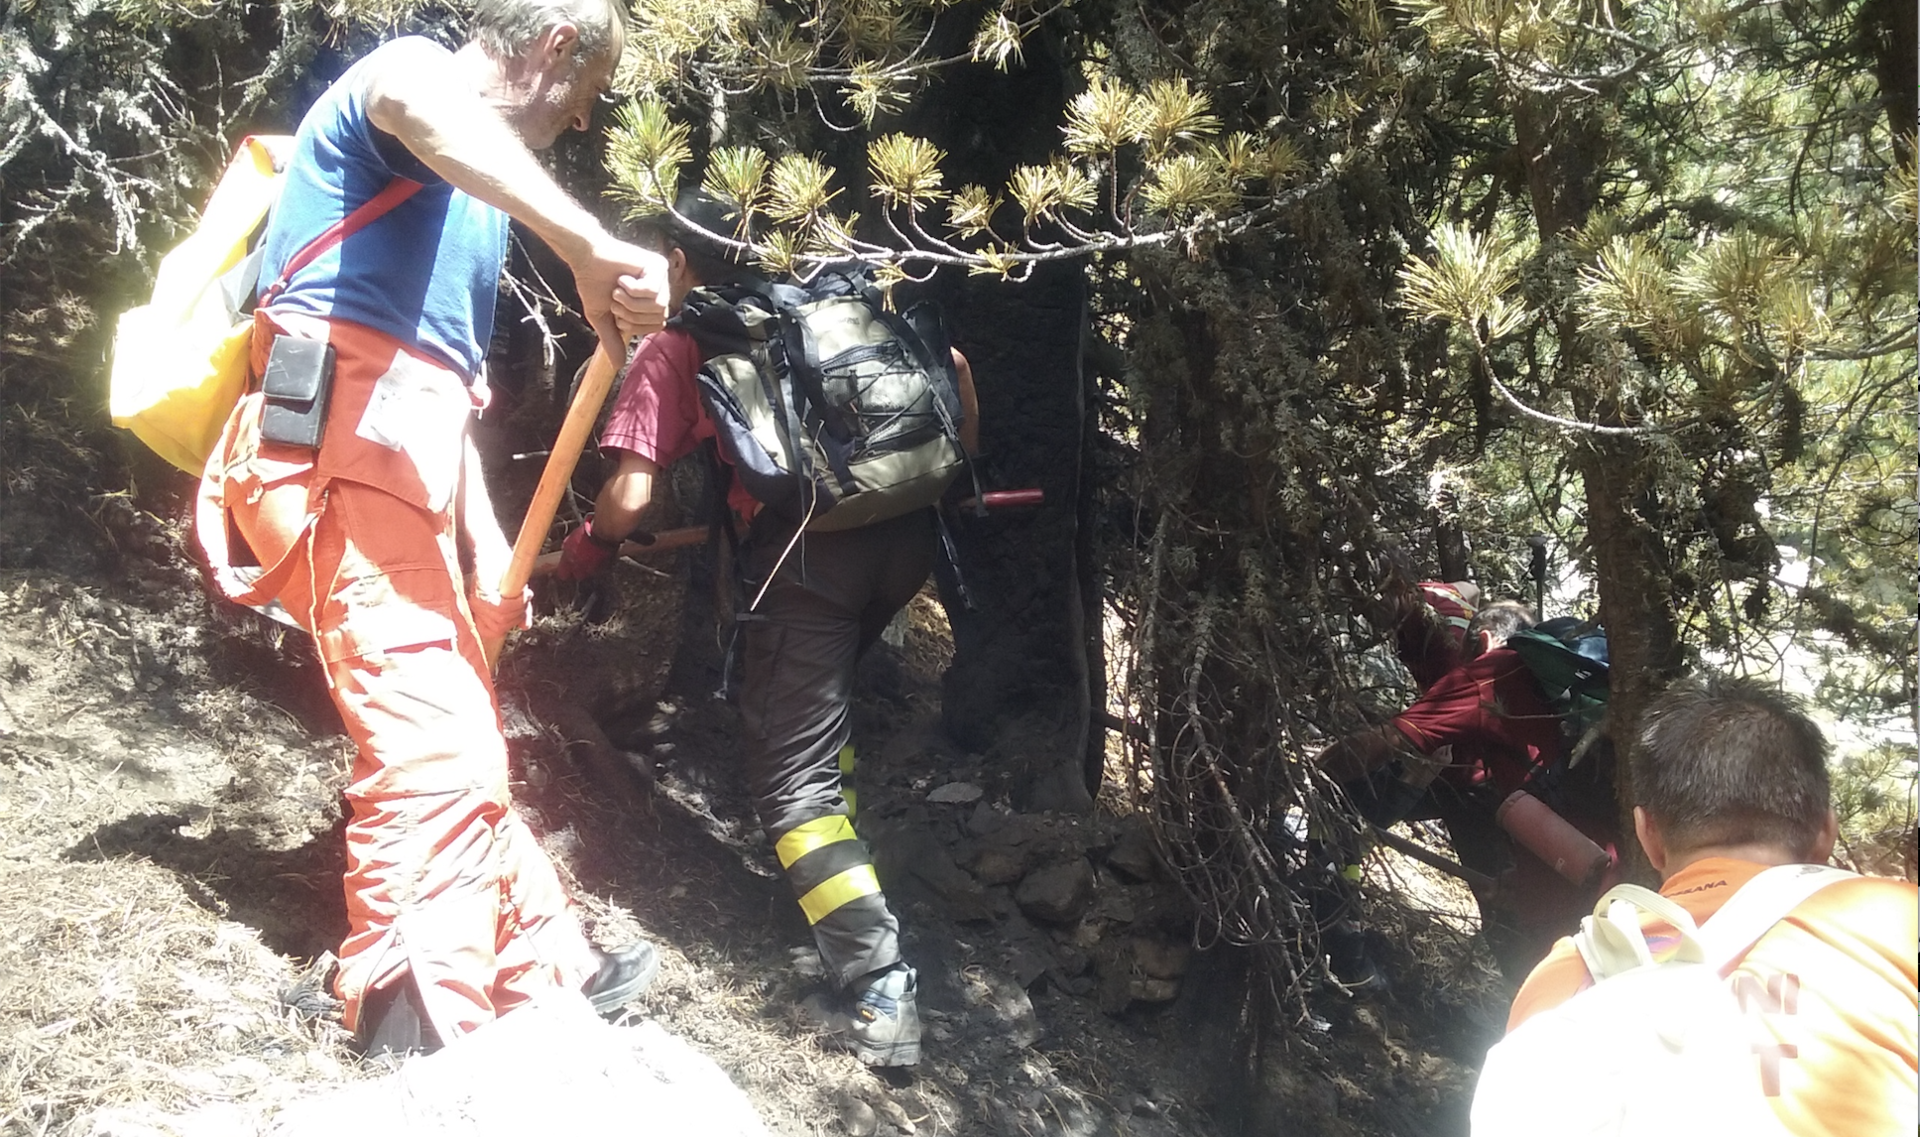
(1833, 987)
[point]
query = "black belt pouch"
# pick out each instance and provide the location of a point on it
(298, 381)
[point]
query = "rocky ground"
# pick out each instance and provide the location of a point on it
(169, 889)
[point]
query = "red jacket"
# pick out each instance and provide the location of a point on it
(1490, 710)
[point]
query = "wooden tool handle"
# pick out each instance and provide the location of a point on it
(1428, 857)
(553, 481)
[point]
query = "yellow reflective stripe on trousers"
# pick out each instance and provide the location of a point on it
(856, 882)
(847, 793)
(807, 836)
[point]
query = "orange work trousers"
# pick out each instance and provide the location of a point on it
(358, 544)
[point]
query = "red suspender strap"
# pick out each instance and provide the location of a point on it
(397, 191)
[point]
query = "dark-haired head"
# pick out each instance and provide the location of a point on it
(689, 232)
(1494, 624)
(1733, 763)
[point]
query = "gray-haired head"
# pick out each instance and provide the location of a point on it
(506, 28)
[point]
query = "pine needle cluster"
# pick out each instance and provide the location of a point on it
(1138, 166)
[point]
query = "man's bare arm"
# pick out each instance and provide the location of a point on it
(969, 404)
(616, 512)
(428, 102)
(479, 526)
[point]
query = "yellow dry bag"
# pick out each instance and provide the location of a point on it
(180, 362)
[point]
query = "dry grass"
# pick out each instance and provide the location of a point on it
(928, 648)
(725, 986)
(122, 998)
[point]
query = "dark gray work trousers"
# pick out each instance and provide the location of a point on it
(832, 596)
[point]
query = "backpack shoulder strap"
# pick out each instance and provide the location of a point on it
(1611, 941)
(1760, 904)
(371, 210)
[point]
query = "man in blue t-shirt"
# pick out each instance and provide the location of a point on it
(380, 540)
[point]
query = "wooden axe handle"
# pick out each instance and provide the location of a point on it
(553, 481)
(1432, 859)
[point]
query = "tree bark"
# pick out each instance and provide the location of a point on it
(1563, 150)
(1020, 687)
(1631, 569)
(1888, 39)
(1026, 653)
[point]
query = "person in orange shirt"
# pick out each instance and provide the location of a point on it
(1730, 778)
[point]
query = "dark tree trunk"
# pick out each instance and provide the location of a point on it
(1450, 540)
(1630, 566)
(1027, 654)
(1888, 40)
(1025, 651)
(1563, 149)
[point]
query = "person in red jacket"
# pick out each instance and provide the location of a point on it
(1481, 732)
(1430, 623)
(1730, 778)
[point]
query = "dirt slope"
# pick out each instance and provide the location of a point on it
(169, 888)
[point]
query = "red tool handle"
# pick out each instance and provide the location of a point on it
(1004, 499)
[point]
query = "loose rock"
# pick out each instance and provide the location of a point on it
(984, 819)
(1117, 905)
(956, 793)
(896, 1116)
(1135, 856)
(900, 850)
(1059, 893)
(1153, 990)
(1005, 1001)
(858, 1118)
(1161, 959)
(998, 864)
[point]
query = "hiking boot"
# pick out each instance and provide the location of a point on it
(1350, 960)
(877, 1020)
(623, 975)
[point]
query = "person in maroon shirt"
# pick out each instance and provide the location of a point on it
(814, 613)
(1481, 732)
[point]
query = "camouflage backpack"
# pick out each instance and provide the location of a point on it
(832, 410)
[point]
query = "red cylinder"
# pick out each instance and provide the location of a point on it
(1007, 499)
(1551, 837)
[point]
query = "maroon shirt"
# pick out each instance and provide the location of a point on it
(1491, 712)
(657, 413)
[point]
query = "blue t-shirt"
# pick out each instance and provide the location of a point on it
(425, 273)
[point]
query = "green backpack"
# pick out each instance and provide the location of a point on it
(1568, 659)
